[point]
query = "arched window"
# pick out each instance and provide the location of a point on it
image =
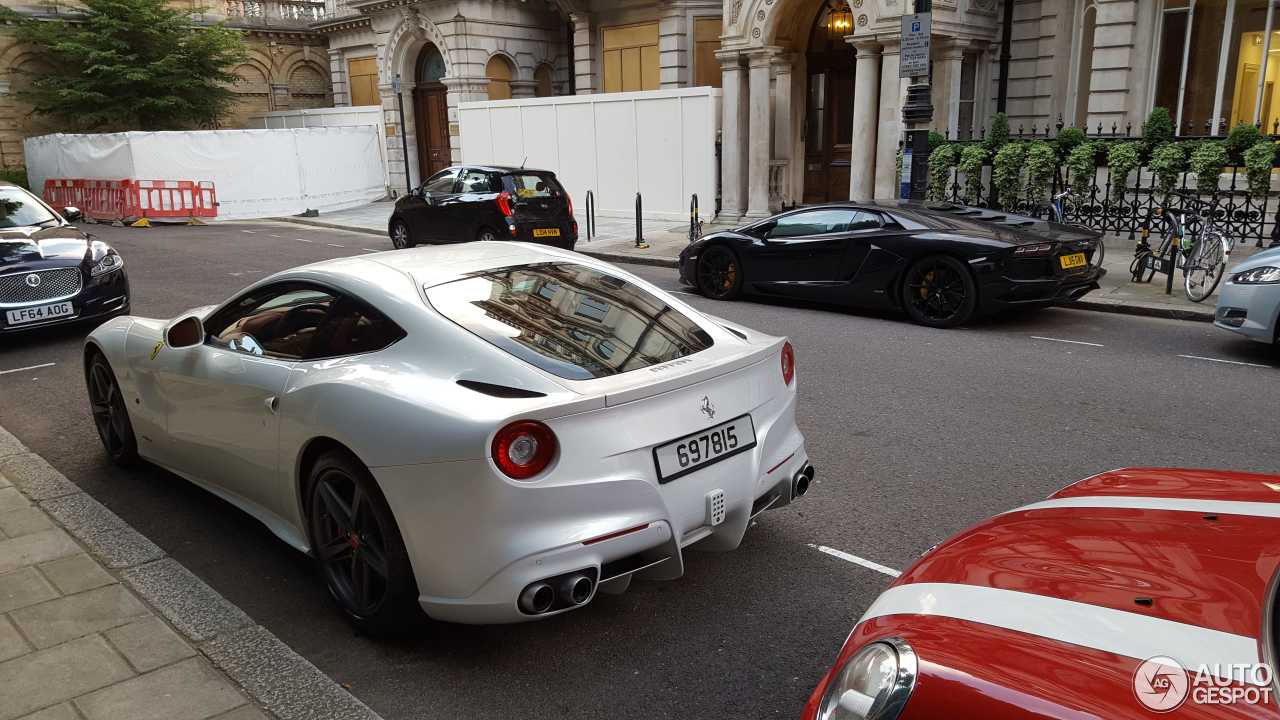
(1084, 62)
(430, 66)
(543, 86)
(499, 72)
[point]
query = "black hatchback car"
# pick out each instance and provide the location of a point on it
(485, 202)
(50, 271)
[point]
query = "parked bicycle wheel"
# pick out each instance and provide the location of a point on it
(1205, 266)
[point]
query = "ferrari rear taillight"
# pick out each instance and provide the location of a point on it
(788, 363)
(524, 448)
(504, 204)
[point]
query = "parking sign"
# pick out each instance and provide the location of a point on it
(914, 60)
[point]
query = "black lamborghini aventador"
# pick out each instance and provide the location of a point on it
(940, 263)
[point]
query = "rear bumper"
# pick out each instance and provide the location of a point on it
(1250, 310)
(476, 542)
(1002, 292)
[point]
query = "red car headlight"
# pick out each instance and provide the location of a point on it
(873, 684)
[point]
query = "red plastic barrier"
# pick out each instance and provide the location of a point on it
(122, 200)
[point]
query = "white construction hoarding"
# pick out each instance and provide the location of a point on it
(660, 144)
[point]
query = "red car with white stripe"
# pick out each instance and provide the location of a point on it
(1057, 609)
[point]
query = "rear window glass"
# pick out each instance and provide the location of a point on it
(570, 320)
(531, 185)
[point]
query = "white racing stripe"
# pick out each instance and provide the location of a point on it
(1191, 505)
(857, 560)
(1114, 631)
(29, 367)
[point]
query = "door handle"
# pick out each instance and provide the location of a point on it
(272, 403)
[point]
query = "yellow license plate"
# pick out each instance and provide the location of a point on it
(1074, 260)
(555, 232)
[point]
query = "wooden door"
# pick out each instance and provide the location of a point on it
(829, 135)
(431, 118)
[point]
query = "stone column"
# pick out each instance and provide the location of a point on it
(952, 67)
(584, 54)
(889, 132)
(338, 77)
(673, 47)
(733, 139)
(397, 163)
(866, 91)
(760, 134)
(782, 123)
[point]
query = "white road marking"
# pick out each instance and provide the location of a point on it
(334, 245)
(273, 235)
(251, 232)
(1226, 362)
(370, 250)
(29, 367)
(683, 292)
(857, 560)
(303, 240)
(1073, 342)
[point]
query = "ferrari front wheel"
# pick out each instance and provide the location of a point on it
(110, 414)
(358, 546)
(939, 291)
(719, 273)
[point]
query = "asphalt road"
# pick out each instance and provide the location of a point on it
(916, 433)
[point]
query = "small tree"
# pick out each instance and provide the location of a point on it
(130, 65)
(1158, 129)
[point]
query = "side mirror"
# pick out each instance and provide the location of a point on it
(187, 332)
(72, 214)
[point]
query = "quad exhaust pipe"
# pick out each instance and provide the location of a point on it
(556, 593)
(801, 482)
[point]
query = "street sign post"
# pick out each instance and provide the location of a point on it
(914, 60)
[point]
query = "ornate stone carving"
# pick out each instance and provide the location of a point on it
(734, 10)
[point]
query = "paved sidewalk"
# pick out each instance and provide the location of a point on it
(615, 241)
(96, 623)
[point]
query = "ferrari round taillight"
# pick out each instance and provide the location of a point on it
(524, 448)
(788, 363)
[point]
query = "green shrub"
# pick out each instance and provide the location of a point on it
(936, 140)
(1006, 172)
(1258, 161)
(1241, 138)
(1082, 166)
(1207, 160)
(1122, 159)
(941, 161)
(1168, 161)
(999, 135)
(1069, 139)
(1041, 163)
(972, 158)
(15, 175)
(1158, 129)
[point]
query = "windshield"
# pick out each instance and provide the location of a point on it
(19, 209)
(570, 320)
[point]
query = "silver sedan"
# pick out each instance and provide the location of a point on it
(491, 432)
(1249, 302)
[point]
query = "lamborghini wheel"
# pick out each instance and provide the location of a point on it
(939, 291)
(719, 273)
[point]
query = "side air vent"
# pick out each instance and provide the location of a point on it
(501, 391)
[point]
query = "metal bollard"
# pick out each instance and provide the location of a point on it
(695, 222)
(591, 215)
(640, 243)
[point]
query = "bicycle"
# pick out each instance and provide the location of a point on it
(1200, 255)
(1059, 208)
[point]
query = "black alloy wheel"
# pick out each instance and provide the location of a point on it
(486, 235)
(110, 415)
(719, 273)
(400, 235)
(358, 546)
(938, 291)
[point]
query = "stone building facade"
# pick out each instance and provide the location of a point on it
(287, 67)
